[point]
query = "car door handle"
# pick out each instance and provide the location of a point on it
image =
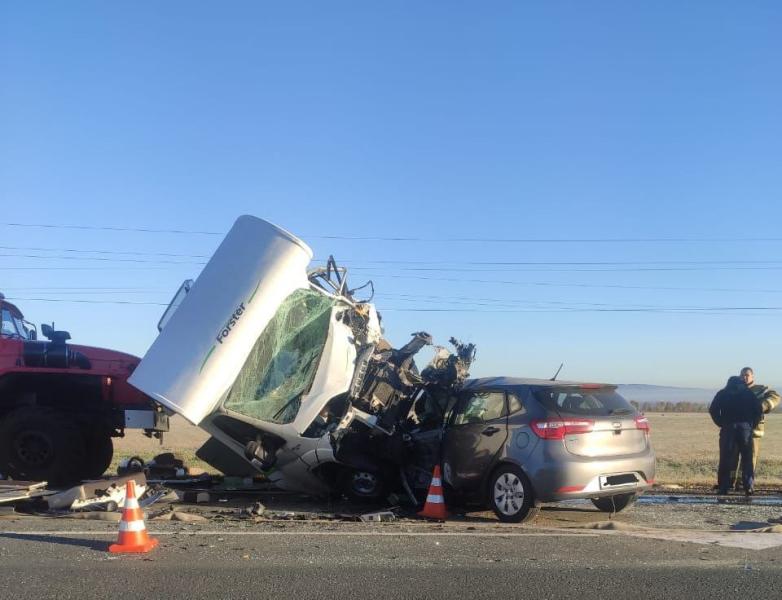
(490, 430)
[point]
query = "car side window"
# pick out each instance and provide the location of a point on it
(480, 407)
(515, 405)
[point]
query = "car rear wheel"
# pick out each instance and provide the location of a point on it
(510, 495)
(615, 504)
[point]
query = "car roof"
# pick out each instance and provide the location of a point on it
(508, 382)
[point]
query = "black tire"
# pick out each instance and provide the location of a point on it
(615, 504)
(362, 486)
(100, 451)
(511, 496)
(41, 444)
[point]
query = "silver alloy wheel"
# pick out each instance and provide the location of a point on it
(509, 494)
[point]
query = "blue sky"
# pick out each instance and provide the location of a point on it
(439, 121)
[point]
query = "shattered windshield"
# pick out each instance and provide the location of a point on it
(282, 364)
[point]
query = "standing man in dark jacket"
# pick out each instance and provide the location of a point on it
(736, 411)
(769, 400)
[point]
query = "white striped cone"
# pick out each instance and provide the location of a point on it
(132, 531)
(434, 508)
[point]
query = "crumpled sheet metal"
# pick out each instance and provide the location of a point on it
(92, 493)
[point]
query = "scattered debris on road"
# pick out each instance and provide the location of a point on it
(377, 517)
(106, 494)
(178, 515)
(14, 491)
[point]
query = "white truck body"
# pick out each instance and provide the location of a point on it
(195, 360)
(212, 364)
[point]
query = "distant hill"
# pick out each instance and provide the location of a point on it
(661, 393)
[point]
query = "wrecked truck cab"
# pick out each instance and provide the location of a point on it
(261, 356)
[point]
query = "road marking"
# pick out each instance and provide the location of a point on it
(730, 539)
(311, 533)
(748, 540)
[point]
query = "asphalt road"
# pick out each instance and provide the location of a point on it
(68, 559)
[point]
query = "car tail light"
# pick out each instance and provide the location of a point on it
(641, 422)
(570, 489)
(557, 429)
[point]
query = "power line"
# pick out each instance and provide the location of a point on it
(83, 301)
(95, 292)
(472, 301)
(460, 280)
(112, 228)
(426, 298)
(702, 265)
(440, 300)
(57, 288)
(482, 240)
(688, 310)
(102, 251)
(412, 262)
(578, 285)
(724, 309)
(557, 263)
(103, 259)
(478, 301)
(77, 269)
(574, 270)
(428, 269)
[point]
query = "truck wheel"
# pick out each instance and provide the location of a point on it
(100, 451)
(41, 444)
(362, 486)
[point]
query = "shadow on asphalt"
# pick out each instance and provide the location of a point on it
(571, 509)
(744, 525)
(98, 545)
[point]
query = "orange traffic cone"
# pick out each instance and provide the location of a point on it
(435, 501)
(132, 531)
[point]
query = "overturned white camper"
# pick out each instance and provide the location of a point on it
(255, 351)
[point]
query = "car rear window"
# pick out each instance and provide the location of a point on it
(575, 400)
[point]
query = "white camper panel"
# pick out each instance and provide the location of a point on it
(194, 361)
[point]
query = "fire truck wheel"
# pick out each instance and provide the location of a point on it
(100, 451)
(41, 444)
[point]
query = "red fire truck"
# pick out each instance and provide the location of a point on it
(61, 404)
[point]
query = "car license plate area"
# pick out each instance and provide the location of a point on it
(609, 481)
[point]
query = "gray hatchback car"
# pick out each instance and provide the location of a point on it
(516, 443)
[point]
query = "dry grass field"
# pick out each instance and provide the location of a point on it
(183, 440)
(686, 446)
